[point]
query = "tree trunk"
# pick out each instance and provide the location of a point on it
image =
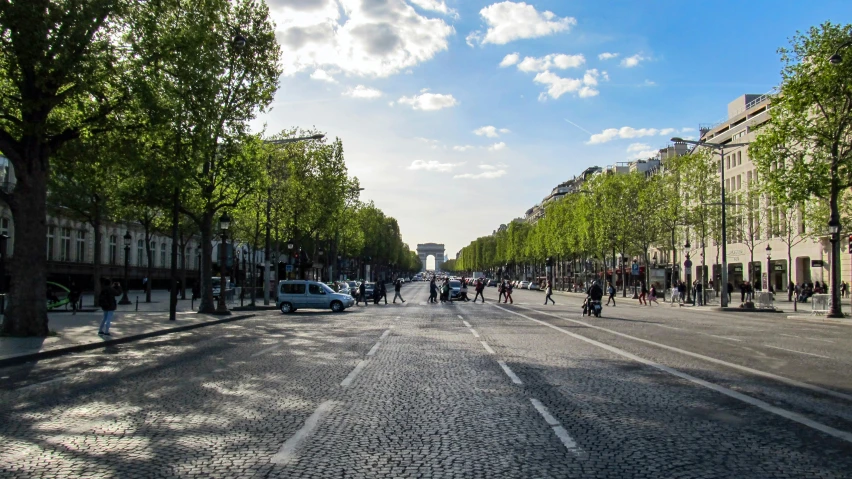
(27, 311)
(97, 257)
(173, 264)
(183, 271)
(150, 268)
(207, 305)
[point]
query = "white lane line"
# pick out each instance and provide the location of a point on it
(846, 436)
(264, 351)
(514, 377)
(805, 337)
(385, 334)
(374, 349)
(560, 431)
(794, 351)
(669, 327)
(789, 335)
(475, 334)
(487, 347)
(346, 382)
(792, 382)
(288, 450)
(466, 324)
(723, 337)
(396, 318)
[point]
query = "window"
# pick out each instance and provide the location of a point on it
(315, 289)
(739, 158)
(140, 252)
(153, 252)
(65, 244)
(80, 255)
(739, 181)
(293, 288)
(163, 255)
(113, 249)
(729, 161)
(51, 234)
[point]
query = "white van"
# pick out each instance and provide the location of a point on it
(297, 294)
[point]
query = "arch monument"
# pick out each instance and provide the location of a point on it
(434, 249)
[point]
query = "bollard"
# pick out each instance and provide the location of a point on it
(137, 303)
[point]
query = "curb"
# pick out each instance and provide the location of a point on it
(53, 353)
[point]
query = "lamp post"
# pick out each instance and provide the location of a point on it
(721, 149)
(127, 239)
(834, 231)
(687, 270)
(267, 266)
(769, 268)
(635, 293)
(290, 258)
(224, 224)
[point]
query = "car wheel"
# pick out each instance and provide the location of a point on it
(336, 306)
(287, 308)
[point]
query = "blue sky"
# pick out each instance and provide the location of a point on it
(453, 144)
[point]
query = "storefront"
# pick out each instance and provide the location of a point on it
(735, 273)
(778, 274)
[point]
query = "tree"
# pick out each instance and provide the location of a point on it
(749, 216)
(63, 75)
(805, 150)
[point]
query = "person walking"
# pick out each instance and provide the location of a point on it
(652, 295)
(610, 289)
(699, 290)
(643, 293)
(480, 288)
(501, 289)
(383, 292)
(681, 292)
(463, 290)
(730, 291)
(397, 285)
(74, 294)
(362, 294)
(433, 291)
(548, 294)
(791, 290)
(508, 291)
(106, 300)
(445, 291)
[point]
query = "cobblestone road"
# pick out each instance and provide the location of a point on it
(461, 390)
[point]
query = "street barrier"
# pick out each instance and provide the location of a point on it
(764, 299)
(820, 303)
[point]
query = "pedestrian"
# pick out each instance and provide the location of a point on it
(791, 290)
(383, 292)
(445, 291)
(463, 291)
(610, 289)
(501, 289)
(548, 293)
(508, 291)
(106, 300)
(730, 291)
(74, 294)
(196, 292)
(433, 291)
(362, 294)
(480, 288)
(699, 289)
(397, 285)
(681, 292)
(643, 292)
(652, 295)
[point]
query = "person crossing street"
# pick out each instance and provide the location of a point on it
(479, 287)
(397, 285)
(548, 293)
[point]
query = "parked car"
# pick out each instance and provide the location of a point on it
(523, 284)
(217, 287)
(297, 294)
(533, 286)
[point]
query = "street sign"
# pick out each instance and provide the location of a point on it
(687, 263)
(816, 263)
(634, 270)
(288, 268)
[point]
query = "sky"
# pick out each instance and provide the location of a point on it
(459, 115)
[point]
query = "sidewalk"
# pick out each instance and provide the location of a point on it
(80, 332)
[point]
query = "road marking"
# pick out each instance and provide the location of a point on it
(487, 347)
(789, 335)
(792, 382)
(467, 325)
(346, 382)
(794, 351)
(723, 337)
(475, 334)
(374, 349)
(669, 327)
(264, 351)
(514, 377)
(385, 334)
(846, 436)
(396, 318)
(805, 337)
(288, 450)
(560, 431)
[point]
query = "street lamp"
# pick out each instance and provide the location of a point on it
(769, 268)
(687, 270)
(127, 239)
(834, 230)
(836, 59)
(721, 149)
(224, 224)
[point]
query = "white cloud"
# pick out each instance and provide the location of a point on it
(591, 77)
(510, 60)
(435, 6)
(429, 101)
(358, 38)
(322, 75)
(637, 147)
(643, 155)
(490, 131)
(485, 175)
(558, 86)
(509, 21)
(433, 165)
(633, 61)
(627, 132)
(607, 56)
(649, 83)
(362, 91)
(687, 129)
(497, 146)
(547, 62)
(462, 147)
(425, 140)
(587, 92)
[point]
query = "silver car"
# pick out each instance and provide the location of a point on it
(294, 295)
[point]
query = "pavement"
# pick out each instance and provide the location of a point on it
(460, 390)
